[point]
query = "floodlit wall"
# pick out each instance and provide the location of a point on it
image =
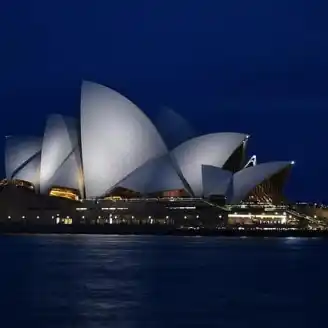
(247, 179)
(211, 149)
(116, 138)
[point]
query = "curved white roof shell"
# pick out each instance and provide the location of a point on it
(116, 138)
(247, 179)
(211, 149)
(154, 176)
(215, 181)
(251, 162)
(60, 164)
(30, 171)
(19, 152)
(173, 128)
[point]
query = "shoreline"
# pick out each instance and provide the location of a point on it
(155, 230)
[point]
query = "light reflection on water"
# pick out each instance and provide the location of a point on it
(132, 281)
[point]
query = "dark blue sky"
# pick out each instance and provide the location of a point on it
(259, 67)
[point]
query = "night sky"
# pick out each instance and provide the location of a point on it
(258, 67)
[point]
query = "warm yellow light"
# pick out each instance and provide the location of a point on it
(64, 193)
(113, 198)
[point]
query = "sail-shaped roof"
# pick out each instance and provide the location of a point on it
(116, 137)
(247, 179)
(60, 163)
(211, 149)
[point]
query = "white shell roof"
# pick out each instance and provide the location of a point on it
(154, 176)
(19, 151)
(173, 128)
(120, 146)
(215, 180)
(247, 179)
(251, 162)
(60, 164)
(116, 138)
(211, 149)
(30, 172)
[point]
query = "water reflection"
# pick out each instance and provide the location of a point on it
(132, 281)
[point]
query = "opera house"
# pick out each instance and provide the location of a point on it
(115, 154)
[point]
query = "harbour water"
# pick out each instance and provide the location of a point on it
(153, 281)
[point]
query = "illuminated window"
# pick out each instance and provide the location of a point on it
(64, 193)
